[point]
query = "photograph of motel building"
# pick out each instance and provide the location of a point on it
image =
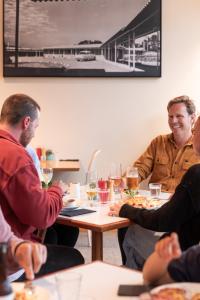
(134, 48)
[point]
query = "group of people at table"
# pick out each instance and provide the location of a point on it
(156, 239)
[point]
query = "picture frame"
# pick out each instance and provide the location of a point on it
(82, 38)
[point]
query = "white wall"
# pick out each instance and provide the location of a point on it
(118, 115)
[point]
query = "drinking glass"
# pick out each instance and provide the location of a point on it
(47, 174)
(116, 176)
(91, 185)
(155, 190)
(132, 179)
(68, 285)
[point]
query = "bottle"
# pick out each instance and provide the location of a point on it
(6, 292)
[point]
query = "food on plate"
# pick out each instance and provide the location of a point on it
(170, 294)
(143, 202)
(196, 296)
(25, 295)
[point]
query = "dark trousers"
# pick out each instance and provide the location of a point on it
(58, 258)
(121, 236)
(59, 234)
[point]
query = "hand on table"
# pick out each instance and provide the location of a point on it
(114, 209)
(168, 248)
(30, 256)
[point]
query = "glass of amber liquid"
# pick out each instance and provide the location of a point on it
(132, 179)
(116, 176)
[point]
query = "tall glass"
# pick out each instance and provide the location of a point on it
(132, 179)
(91, 185)
(47, 174)
(116, 176)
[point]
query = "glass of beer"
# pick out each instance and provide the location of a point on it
(132, 179)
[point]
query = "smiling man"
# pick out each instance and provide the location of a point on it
(166, 160)
(169, 156)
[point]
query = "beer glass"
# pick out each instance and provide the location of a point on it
(132, 178)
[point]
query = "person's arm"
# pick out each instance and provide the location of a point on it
(28, 255)
(181, 208)
(30, 203)
(155, 269)
(24, 254)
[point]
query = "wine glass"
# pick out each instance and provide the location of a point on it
(91, 185)
(116, 176)
(47, 174)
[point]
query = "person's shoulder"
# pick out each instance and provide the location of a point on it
(162, 138)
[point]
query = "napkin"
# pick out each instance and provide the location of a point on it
(76, 212)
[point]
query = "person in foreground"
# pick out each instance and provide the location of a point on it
(166, 160)
(25, 254)
(25, 205)
(168, 263)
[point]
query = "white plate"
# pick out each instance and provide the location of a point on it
(40, 292)
(191, 288)
(69, 202)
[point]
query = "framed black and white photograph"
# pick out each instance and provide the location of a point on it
(82, 38)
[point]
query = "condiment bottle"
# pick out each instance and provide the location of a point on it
(6, 292)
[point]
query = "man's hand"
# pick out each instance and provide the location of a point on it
(30, 256)
(64, 187)
(114, 209)
(168, 248)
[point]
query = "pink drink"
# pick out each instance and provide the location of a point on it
(103, 196)
(103, 184)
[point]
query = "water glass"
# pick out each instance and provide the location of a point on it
(155, 189)
(68, 285)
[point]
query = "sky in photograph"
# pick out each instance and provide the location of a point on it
(65, 23)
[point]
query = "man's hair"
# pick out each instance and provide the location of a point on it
(18, 106)
(189, 104)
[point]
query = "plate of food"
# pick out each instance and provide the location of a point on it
(144, 202)
(38, 292)
(176, 291)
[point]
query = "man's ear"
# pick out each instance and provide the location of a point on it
(26, 122)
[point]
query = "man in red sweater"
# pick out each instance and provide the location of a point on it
(25, 205)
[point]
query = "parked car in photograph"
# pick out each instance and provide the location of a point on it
(85, 55)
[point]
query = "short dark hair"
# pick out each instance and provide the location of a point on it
(189, 103)
(18, 106)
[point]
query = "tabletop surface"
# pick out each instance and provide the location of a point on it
(99, 220)
(99, 281)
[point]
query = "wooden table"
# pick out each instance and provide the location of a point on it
(98, 223)
(67, 165)
(99, 281)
